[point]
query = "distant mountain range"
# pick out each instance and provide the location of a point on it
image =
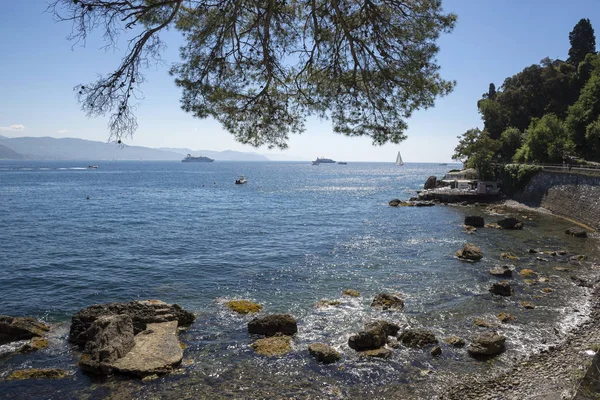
(48, 148)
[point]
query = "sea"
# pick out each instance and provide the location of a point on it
(295, 234)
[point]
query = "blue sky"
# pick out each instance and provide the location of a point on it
(493, 39)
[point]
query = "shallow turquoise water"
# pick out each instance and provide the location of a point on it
(295, 234)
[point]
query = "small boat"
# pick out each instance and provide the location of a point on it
(241, 180)
(92, 166)
(342, 163)
(399, 159)
(443, 164)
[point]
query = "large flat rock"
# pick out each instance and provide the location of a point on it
(156, 351)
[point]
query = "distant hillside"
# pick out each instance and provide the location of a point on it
(48, 148)
(227, 155)
(9, 154)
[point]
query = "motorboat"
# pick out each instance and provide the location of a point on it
(241, 180)
(92, 166)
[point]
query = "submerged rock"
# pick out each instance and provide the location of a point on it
(503, 271)
(351, 293)
(475, 220)
(483, 323)
(487, 345)
(327, 303)
(528, 273)
(377, 353)
(35, 373)
(141, 313)
(13, 329)
(387, 301)
(455, 341)
(505, 317)
(243, 306)
(417, 338)
(324, 353)
(510, 223)
(270, 325)
(272, 346)
(501, 288)
(577, 232)
(470, 252)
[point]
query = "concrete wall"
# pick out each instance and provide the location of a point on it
(568, 194)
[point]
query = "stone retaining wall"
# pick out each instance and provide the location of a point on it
(570, 195)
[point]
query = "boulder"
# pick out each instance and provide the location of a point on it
(509, 256)
(527, 305)
(487, 344)
(501, 288)
(474, 220)
(141, 313)
(394, 202)
(577, 232)
(430, 183)
(272, 346)
(455, 341)
(387, 301)
(368, 340)
(389, 328)
(470, 252)
(35, 373)
(156, 351)
(324, 353)
(510, 223)
(436, 351)
(109, 338)
(243, 306)
(13, 329)
(417, 338)
(377, 353)
(351, 293)
(505, 317)
(503, 271)
(270, 325)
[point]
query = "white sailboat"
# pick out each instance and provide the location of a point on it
(399, 159)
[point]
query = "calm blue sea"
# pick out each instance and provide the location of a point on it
(295, 234)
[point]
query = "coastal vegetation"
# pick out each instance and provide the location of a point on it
(547, 113)
(261, 68)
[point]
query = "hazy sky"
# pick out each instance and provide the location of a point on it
(493, 39)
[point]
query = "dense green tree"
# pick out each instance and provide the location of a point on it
(592, 139)
(261, 66)
(477, 150)
(510, 140)
(547, 141)
(585, 111)
(583, 41)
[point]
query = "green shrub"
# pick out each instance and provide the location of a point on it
(516, 176)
